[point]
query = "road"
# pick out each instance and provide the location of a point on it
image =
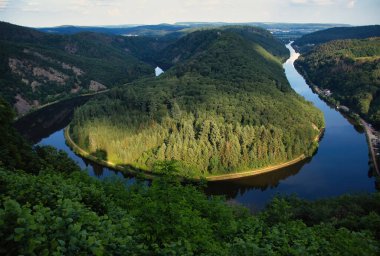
(372, 138)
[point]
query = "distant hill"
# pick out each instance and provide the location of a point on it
(350, 69)
(38, 68)
(284, 31)
(142, 30)
(327, 35)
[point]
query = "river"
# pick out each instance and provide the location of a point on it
(339, 166)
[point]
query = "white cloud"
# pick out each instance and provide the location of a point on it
(323, 2)
(348, 3)
(299, 1)
(3, 4)
(113, 12)
(206, 3)
(313, 2)
(33, 6)
(351, 4)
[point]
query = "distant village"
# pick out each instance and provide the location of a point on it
(328, 93)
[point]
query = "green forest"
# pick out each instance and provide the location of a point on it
(308, 41)
(39, 68)
(351, 70)
(223, 106)
(48, 206)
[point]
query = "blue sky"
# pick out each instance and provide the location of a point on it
(40, 13)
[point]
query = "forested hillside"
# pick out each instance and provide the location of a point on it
(224, 106)
(350, 69)
(38, 68)
(49, 206)
(199, 41)
(306, 42)
(128, 30)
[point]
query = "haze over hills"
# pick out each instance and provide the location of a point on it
(224, 105)
(127, 30)
(281, 30)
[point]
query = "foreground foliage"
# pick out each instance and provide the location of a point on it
(74, 214)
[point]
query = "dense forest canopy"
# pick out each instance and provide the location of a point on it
(39, 68)
(224, 106)
(49, 206)
(351, 70)
(306, 42)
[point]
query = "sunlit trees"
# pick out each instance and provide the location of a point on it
(236, 117)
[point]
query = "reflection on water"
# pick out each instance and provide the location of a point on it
(339, 166)
(44, 122)
(262, 182)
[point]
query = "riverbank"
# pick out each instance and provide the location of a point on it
(372, 138)
(84, 154)
(223, 177)
(255, 172)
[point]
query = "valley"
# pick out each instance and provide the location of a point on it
(185, 61)
(340, 164)
(190, 138)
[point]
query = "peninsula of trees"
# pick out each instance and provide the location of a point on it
(223, 105)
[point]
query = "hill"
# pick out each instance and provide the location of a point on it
(39, 68)
(132, 30)
(350, 69)
(327, 35)
(283, 31)
(223, 106)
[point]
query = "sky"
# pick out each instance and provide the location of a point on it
(45, 13)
